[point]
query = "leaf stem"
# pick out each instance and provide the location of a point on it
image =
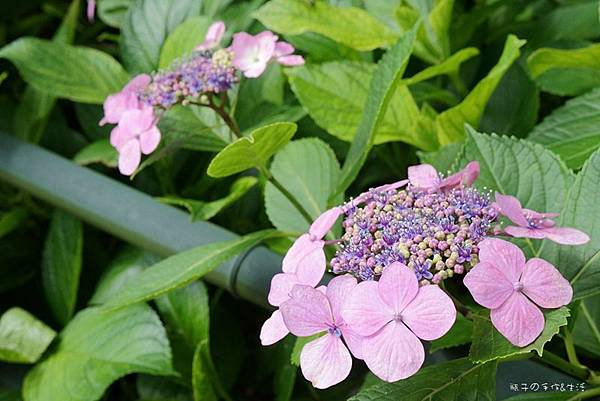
(570, 348)
(286, 193)
(556, 361)
(220, 110)
(588, 394)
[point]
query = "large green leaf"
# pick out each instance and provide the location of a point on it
(308, 169)
(573, 130)
(566, 72)
(183, 40)
(181, 269)
(80, 74)
(112, 12)
(450, 123)
(385, 80)
(460, 334)
(459, 379)
(349, 26)
(61, 264)
(201, 374)
(97, 348)
(586, 333)
(200, 210)
(147, 25)
(23, 338)
(254, 150)
(488, 344)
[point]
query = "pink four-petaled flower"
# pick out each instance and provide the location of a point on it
(117, 104)
(515, 290)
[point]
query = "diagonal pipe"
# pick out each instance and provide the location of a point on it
(131, 215)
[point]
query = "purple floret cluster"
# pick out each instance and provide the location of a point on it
(434, 233)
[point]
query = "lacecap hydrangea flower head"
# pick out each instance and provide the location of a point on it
(399, 242)
(201, 78)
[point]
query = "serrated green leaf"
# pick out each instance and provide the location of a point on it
(586, 333)
(61, 264)
(183, 39)
(458, 379)
(254, 150)
(349, 26)
(23, 338)
(450, 123)
(460, 334)
(200, 210)
(308, 169)
(112, 12)
(382, 88)
(450, 66)
(566, 72)
(573, 130)
(181, 269)
(76, 73)
(97, 348)
(98, 152)
(488, 344)
(444, 159)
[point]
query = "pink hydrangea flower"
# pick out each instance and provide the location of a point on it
(136, 133)
(515, 290)
(532, 224)
(117, 104)
(326, 360)
(213, 36)
(426, 177)
(392, 314)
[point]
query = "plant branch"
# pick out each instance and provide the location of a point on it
(556, 361)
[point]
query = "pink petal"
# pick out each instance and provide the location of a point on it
(91, 10)
(213, 36)
(423, 176)
(324, 222)
(117, 104)
(120, 136)
(129, 157)
(488, 285)
(537, 215)
(299, 249)
(325, 361)
(507, 257)
(307, 312)
(273, 329)
(353, 341)
(291, 61)
(566, 236)
(544, 284)
(465, 177)
(252, 53)
(338, 291)
(137, 83)
(431, 314)
(283, 49)
(518, 319)
(511, 208)
(364, 310)
(137, 121)
(524, 232)
(311, 268)
(281, 288)
(398, 286)
(149, 140)
(382, 188)
(393, 353)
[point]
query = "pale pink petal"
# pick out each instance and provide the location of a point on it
(537, 215)
(137, 83)
(129, 157)
(488, 285)
(134, 121)
(299, 249)
(382, 188)
(91, 10)
(281, 288)
(307, 312)
(544, 284)
(117, 104)
(273, 329)
(511, 208)
(120, 136)
(524, 232)
(283, 49)
(507, 257)
(353, 341)
(364, 310)
(291, 61)
(566, 235)
(431, 314)
(465, 177)
(321, 226)
(338, 291)
(423, 176)
(393, 353)
(255, 70)
(311, 267)
(518, 319)
(149, 140)
(398, 286)
(213, 36)
(325, 361)
(252, 53)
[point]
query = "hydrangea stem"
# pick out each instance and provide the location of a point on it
(554, 360)
(570, 347)
(286, 193)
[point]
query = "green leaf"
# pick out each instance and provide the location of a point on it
(319, 48)
(201, 374)
(566, 72)
(385, 80)
(488, 344)
(76, 73)
(183, 40)
(200, 210)
(181, 269)
(450, 123)
(573, 130)
(586, 334)
(254, 150)
(160, 388)
(308, 169)
(460, 334)
(147, 25)
(548, 396)
(11, 220)
(98, 152)
(349, 26)
(61, 264)
(285, 371)
(23, 338)
(443, 159)
(458, 379)
(450, 66)
(97, 348)
(112, 12)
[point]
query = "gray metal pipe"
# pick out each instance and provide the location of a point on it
(131, 215)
